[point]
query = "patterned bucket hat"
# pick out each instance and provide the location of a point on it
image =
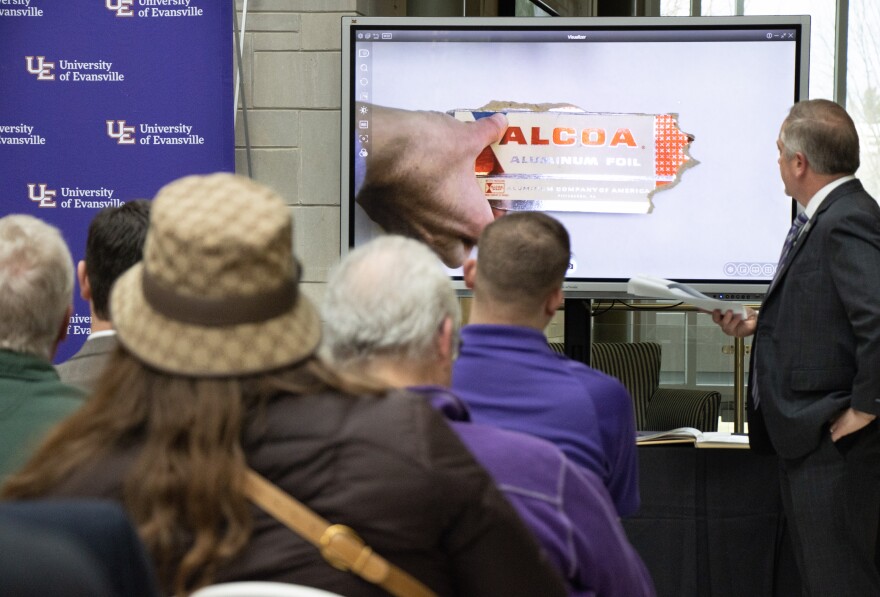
(217, 291)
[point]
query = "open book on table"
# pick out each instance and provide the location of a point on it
(648, 286)
(689, 435)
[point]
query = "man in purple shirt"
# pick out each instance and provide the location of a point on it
(510, 377)
(391, 315)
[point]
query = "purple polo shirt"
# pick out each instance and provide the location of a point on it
(566, 507)
(511, 378)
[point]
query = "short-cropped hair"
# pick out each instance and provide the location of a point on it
(522, 257)
(36, 284)
(824, 132)
(115, 243)
(387, 298)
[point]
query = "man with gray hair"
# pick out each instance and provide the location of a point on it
(36, 290)
(391, 315)
(814, 380)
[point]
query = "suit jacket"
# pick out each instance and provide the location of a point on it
(85, 367)
(816, 350)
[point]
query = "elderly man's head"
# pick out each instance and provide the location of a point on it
(823, 132)
(390, 301)
(36, 286)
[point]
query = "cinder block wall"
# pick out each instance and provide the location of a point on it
(292, 71)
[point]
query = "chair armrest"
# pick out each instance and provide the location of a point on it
(671, 408)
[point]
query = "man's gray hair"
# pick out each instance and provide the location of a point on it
(387, 298)
(822, 131)
(36, 284)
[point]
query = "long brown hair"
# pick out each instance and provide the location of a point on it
(184, 491)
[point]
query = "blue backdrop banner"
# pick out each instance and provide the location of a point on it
(105, 101)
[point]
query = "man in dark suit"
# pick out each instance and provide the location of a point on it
(814, 387)
(115, 243)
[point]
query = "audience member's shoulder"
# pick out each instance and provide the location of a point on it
(397, 419)
(594, 377)
(537, 447)
(53, 394)
(30, 376)
(407, 420)
(524, 454)
(393, 406)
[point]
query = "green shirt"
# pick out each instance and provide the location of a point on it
(32, 400)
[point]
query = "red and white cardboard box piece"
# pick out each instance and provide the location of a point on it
(561, 158)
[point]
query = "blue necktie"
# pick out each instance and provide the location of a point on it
(793, 233)
(790, 239)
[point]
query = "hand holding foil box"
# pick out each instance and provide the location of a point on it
(564, 159)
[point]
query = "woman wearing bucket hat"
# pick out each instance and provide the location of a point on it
(217, 372)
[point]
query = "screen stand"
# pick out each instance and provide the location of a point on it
(577, 329)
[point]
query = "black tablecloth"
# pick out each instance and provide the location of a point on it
(711, 523)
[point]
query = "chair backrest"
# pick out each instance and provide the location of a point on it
(672, 408)
(100, 529)
(636, 365)
(260, 589)
(557, 347)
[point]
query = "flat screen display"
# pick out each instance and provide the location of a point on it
(651, 139)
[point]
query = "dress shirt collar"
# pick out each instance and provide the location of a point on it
(823, 193)
(101, 334)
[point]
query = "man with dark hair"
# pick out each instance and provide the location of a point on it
(814, 380)
(115, 243)
(510, 377)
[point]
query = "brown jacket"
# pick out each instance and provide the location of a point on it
(391, 469)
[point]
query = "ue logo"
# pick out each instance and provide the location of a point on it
(122, 8)
(45, 197)
(37, 65)
(116, 129)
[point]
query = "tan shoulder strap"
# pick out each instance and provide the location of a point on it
(339, 545)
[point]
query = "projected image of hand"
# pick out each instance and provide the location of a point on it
(420, 179)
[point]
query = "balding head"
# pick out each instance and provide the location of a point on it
(825, 134)
(387, 299)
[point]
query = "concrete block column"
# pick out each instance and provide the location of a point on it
(292, 73)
